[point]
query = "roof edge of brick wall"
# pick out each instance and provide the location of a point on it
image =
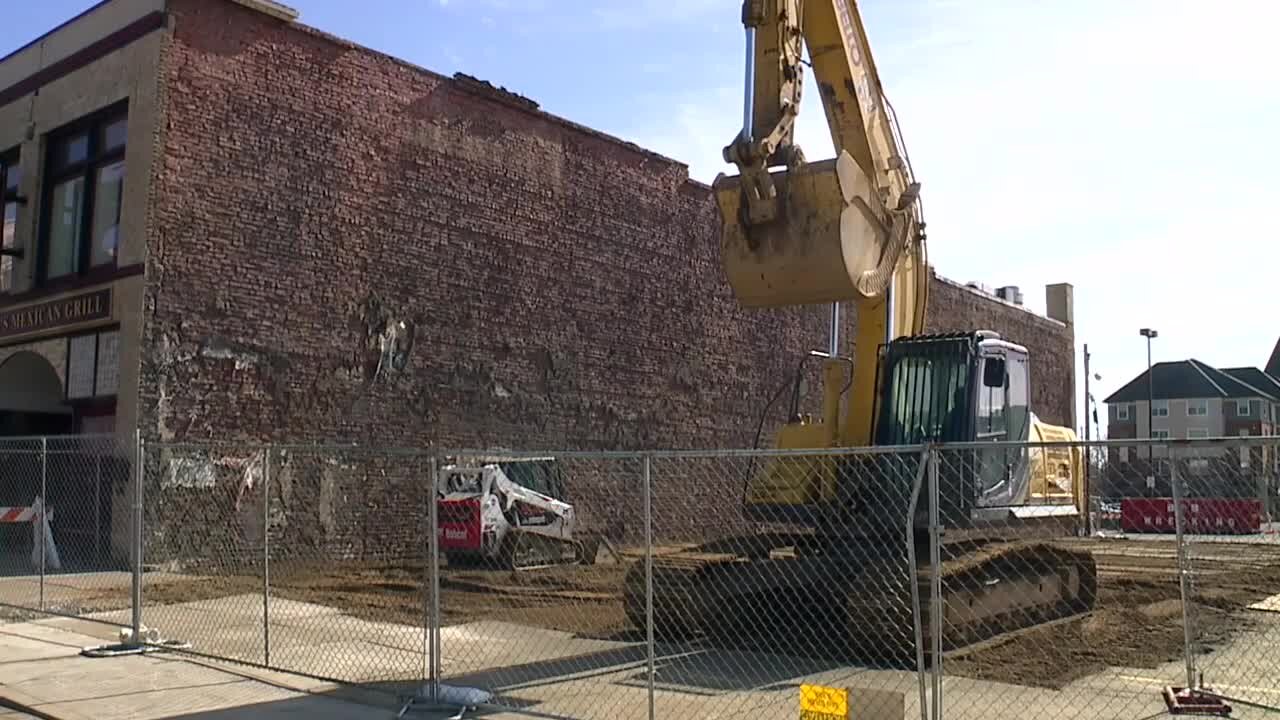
(994, 298)
(270, 8)
(481, 88)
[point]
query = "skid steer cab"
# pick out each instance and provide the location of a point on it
(506, 513)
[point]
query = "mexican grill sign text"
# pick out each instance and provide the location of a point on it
(56, 313)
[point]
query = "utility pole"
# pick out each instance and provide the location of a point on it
(1088, 452)
(1086, 392)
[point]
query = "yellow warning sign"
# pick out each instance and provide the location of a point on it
(823, 703)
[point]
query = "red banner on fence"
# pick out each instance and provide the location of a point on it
(1213, 516)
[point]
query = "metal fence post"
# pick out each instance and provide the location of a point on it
(1179, 499)
(935, 589)
(136, 539)
(650, 650)
(266, 556)
(432, 609)
(912, 568)
(42, 521)
(427, 638)
(1263, 484)
(97, 508)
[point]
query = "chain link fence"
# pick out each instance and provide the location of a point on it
(815, 579)
(64, 527)
(538, 562)
(1225, 520)
(971, 580)
(310, 560)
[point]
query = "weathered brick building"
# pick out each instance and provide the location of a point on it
(233, 226)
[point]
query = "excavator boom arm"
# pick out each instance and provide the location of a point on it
(850, 229)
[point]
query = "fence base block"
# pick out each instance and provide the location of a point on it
(1184, 701)
(877, 704)
(448, 697)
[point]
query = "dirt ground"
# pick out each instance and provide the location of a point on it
(1137, 621)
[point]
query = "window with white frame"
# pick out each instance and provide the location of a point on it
(1197, 407)
(1242, 408)
(1197, 434)
(1160, 408)
(1122, 412)
(1160, 434)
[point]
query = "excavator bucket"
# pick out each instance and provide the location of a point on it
(824, 245)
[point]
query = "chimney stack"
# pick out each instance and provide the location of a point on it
(1060, 303)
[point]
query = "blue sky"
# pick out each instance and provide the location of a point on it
(1125, 147)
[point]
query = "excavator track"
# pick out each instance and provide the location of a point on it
(861, 608)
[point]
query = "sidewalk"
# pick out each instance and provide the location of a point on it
(41, 669)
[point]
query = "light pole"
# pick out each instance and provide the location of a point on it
(1150, 335)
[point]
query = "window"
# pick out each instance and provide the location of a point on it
(1160, 408)
(93, 365)
(1242, 408)
(1197, 407)
(991, 412)
(10, 179)
(83, 197)
(1122, 412)
(940, 401)
(1197, 434)
(1160, 434)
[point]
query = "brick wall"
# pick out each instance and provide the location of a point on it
(1050, 345)
(562, 287)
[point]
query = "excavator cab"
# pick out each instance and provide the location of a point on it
(971, 387)
(960, 387)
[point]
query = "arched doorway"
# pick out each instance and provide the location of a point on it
(32, 401)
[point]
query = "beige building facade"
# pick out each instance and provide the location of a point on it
(77, 137)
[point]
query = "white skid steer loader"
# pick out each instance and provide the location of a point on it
(508, 513)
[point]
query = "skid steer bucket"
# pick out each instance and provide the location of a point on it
(825, 245)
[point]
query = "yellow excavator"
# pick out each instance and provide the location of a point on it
(850, 229)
